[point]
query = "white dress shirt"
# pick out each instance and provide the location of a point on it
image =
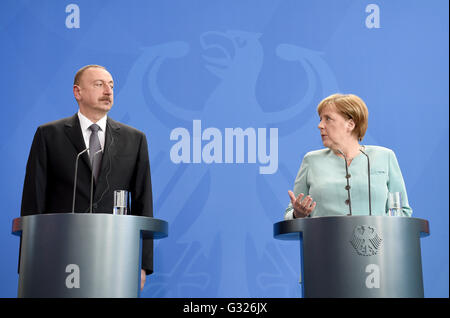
(85, 123)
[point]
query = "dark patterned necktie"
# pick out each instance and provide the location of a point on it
(94, 147)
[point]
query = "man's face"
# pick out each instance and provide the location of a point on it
(94, 91)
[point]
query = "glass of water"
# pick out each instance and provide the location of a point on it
(120, 202)
(395, 204)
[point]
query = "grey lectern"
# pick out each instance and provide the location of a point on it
(358, 256)
(83, 255)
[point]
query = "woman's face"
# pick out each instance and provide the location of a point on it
(335, 129)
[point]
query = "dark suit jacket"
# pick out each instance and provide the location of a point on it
(49, 179)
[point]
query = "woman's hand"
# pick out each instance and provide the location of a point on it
(302, 207)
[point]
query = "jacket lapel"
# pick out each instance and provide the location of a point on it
(72, 129)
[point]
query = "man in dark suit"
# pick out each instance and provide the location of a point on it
(120, 163)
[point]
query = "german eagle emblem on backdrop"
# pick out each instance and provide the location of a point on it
(366, 240)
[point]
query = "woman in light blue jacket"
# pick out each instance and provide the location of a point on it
(324, 186)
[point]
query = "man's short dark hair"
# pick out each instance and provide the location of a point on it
(76, 80)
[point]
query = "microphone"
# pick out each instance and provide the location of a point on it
(92, 182)
(75, 178)
(368, 178)
(347, 176)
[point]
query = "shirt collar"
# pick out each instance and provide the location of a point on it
(85, 122)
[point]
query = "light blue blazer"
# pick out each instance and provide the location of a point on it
(322, 176)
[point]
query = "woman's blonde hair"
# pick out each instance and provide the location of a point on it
(349, 106)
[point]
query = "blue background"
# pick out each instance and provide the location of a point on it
(274, 61)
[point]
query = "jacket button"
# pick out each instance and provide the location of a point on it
(347, 187)
(347, 201)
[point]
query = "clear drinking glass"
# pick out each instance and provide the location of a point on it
(395, 204)
(120, 202)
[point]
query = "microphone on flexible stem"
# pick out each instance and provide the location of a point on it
(347, 176)
(92, 181)
(368, 178)
(75, 178)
